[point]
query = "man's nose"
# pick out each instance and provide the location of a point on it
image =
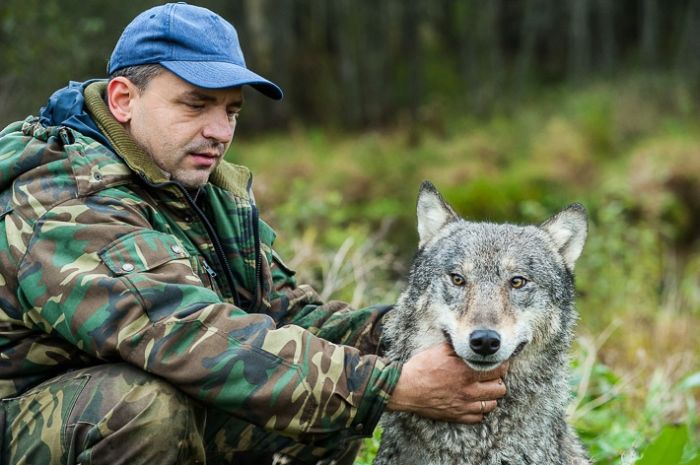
(219, 127)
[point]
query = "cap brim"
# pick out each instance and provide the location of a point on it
(220, 75)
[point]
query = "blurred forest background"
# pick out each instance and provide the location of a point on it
(513, 109)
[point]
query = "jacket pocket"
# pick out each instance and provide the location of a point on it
(142, 251)
(157, 269)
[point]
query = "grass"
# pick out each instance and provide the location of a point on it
(629, 150)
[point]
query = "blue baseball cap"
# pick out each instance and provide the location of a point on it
(194, 43)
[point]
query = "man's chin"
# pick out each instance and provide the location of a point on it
(191, 184)
(193, 178)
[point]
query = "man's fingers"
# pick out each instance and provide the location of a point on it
(487, 390)
(471, 419)
(477, 411)
(482, 407)
(473, 412)
(490, 406)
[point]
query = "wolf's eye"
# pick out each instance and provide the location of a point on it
(517, 282)
(458, 279)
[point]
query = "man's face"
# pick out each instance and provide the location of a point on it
(185, 129)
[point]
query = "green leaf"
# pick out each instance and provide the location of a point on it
(692, 381)
(695, 460)
(667, 448)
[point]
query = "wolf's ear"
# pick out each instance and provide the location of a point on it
(568, 229)
(433, 212)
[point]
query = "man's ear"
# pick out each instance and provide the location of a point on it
(120, 95)
(433, 212)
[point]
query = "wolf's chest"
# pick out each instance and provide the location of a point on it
(516, 433)
(427, 442)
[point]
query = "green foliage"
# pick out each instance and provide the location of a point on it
(614, 419)
(668, 449)
(622, 281)
(691, 382)
(369, 449)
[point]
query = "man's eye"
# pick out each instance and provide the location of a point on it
(233, 115)
(195, 106)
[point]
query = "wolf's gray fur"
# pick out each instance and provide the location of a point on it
(513, 283)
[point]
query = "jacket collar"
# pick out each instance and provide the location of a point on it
(233, 178)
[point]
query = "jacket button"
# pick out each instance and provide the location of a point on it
(359, 427)
(176, 248)
(128, 267)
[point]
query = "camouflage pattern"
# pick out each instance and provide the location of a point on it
(103, 260)
(102, 414)
(117, 414)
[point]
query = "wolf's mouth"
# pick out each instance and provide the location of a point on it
(518, 349)
(448, 337)
(481, 365)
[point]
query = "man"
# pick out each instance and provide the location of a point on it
(144, 315)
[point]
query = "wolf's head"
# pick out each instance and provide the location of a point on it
(491, 290)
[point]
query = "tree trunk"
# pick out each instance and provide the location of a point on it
(579, 39)
(529, 32)
(608, 41)
(649, 33)
(413, 56)
(346, 36)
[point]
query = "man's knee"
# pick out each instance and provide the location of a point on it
(125, 411)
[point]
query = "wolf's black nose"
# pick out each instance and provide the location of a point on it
(485, 342)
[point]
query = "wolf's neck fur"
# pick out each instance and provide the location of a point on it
(537, 383)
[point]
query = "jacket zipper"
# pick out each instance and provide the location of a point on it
(258, 257)
(210, 271)
(211, 275)
(256, 238)
(218, 248)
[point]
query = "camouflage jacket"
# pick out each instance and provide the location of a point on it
(103, 259)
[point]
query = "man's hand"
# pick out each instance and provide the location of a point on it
(437, 384)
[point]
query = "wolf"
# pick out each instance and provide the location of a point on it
(496, 293)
